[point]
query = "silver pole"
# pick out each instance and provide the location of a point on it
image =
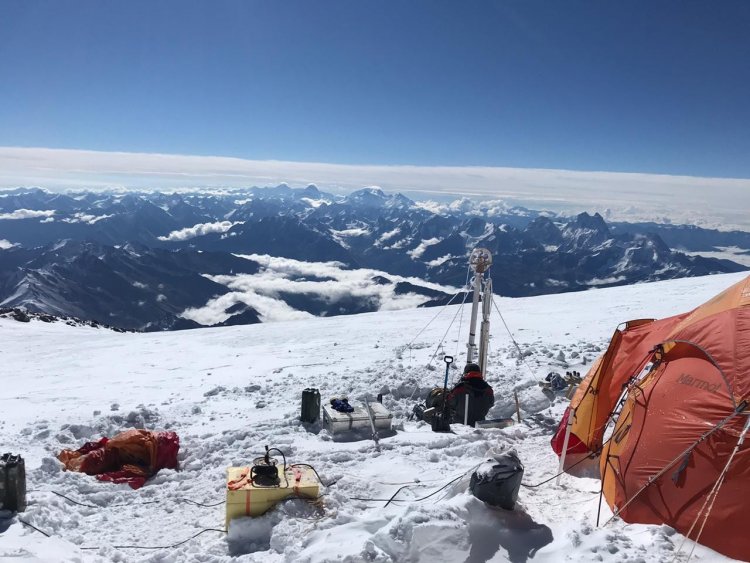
(484, 332)
(479, 261)
(568, 426)
(372, 425)
(471, 346)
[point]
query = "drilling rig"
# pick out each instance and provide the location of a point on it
(480, 262)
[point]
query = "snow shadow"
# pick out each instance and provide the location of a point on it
(312, 427)
(256, 534)
(6, 519)
(582, 465)
(359, 435)
(249, 535)
(514, 530)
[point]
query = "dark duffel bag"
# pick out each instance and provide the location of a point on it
(498, 480)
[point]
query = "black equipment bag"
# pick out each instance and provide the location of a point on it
(310, 405)
(440, 422)
(497, 481)
(12, 483)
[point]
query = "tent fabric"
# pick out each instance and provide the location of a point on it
(600, 391)
(131, 457)
(575, 445)
(673, 381)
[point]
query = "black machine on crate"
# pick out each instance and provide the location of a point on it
(12, 483)
(254, 489)
(265, 471)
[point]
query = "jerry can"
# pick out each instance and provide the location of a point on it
(310, 405)
(12, 483)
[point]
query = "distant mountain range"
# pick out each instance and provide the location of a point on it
(156, 261)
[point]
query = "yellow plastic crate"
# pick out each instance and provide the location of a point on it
(246, 499)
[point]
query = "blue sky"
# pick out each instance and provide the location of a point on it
(638, 86)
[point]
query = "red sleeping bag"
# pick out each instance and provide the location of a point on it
(130, 457)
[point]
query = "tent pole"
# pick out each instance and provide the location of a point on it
(601, 492)
(568, 426)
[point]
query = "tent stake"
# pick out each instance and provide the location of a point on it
(372, 425)
(568, 426)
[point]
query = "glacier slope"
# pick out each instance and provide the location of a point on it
(229, 391)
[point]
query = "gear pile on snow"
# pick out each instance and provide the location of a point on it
(130, 457)
(341, 405)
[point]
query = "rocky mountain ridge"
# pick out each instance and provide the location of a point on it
(141, 260)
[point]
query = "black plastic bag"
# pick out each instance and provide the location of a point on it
(498, 480)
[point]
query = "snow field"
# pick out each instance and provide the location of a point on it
(228, 392)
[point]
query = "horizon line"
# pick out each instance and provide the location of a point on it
(697, 200)
(361, 165)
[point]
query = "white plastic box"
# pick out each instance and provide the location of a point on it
(335, 421)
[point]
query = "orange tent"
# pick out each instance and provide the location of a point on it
(665, 409)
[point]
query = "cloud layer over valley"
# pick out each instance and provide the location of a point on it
(713, 202)
(328, 285)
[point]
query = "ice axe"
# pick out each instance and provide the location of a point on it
(441, 422)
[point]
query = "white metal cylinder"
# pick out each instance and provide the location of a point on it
(471, 346)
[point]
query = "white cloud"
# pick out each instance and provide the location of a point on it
(315, 202)
(734, 253)
(704, 201)
(387, 236)
(6, 244)
(341, 236)
(352, 232)
(85, 218)
(262, 291)
(26, 214)
(269, 309)
(438, 261)
(200, 229)
(417, 252)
